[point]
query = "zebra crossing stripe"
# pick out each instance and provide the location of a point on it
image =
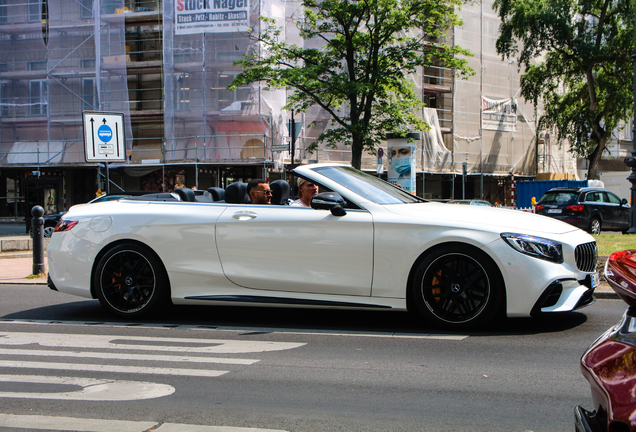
(52, 423)
(120, 356)
(111, 368)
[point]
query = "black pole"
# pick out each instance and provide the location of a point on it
(293, 138)
(107, 180)
(37, 227)
(631, 161)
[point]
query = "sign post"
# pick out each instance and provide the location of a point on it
(104, 139)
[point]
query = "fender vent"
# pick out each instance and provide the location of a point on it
(586, 257)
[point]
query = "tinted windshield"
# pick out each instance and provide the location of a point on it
(367, 186)
(559, 197)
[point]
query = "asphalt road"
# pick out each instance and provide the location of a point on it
(63, 359)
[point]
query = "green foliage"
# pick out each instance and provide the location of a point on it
(360, 74)
(577, 59)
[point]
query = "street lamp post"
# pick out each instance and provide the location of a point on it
(631, 160)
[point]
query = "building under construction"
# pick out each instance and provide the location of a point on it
(168, 74)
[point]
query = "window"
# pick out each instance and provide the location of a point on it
(36, 10)
(86, 9)
(613, 198)
(183, 92)
(89, 94)
(37, 65)
(38, 91)
(4, 99)
(4, 13)
(225, 96)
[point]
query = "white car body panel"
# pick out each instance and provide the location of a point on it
(214, 250)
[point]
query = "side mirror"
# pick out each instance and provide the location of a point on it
(623, 201)
(329, 201)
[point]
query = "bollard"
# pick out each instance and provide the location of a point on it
(37, 226)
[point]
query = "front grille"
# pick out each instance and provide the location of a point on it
(586, 256)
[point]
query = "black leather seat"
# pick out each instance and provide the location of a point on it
(218, 194)
(186, 194)
(236, 193)
(280, 192)
(202, 196)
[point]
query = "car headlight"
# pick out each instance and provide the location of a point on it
(535, 247)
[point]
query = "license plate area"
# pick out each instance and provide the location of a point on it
(592, 280)
(554, 211)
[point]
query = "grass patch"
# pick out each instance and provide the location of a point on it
(37, 276)
(610, 243)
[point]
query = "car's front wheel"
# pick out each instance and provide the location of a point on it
(595, 225)
(130, 280)
(458, 287)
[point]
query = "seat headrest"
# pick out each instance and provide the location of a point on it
(202, 196)
(186, 194)
(236, 193)
(218, 194)
(280, 192)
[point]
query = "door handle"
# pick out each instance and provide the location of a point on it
(244, 215)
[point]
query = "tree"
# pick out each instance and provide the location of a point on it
(577, 62)
(360, 75)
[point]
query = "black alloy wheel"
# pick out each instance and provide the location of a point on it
(130, 280)
(458, 287)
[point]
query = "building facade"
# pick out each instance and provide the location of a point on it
(166, 67)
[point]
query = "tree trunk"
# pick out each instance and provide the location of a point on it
(595, 158)
(356, 151)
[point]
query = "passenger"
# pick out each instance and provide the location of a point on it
(259, 192)
(306, 190)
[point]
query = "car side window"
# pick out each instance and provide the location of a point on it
(613, 198)
(590, 197)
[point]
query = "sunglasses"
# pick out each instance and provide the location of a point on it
(266, 192)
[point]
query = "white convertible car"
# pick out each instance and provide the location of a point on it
(362, 244)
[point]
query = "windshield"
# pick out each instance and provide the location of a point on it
(559, 197)
(367, 186)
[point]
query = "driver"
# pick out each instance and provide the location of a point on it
(259, 192)
(306, 190)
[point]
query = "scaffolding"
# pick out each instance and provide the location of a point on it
(169, 77)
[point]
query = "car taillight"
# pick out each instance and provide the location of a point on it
(65, 225)
(538, 208)
(578, 207)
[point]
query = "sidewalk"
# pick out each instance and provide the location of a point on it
(16, 261)
(16, 267)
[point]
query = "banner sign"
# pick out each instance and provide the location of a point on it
(499, 114)
(210, 16)
(401, 168)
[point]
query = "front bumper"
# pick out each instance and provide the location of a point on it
(586, 421)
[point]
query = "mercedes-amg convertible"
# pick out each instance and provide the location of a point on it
(363, 243)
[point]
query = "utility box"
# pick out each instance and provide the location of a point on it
(528, 189)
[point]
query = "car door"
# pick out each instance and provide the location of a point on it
(620, 213)
(296, 249)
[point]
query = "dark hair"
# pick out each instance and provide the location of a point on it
(253, 183)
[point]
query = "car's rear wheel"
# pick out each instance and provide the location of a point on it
(458, 287)
(131, 281)
(595, 225)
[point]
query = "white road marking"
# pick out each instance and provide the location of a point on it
(91, 389)
(135, 357)
(142, 343)
(98, 425)
(111, 368)
(236, 329)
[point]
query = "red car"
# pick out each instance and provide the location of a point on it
(609, 364)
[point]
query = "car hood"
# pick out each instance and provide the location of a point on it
(498, 219)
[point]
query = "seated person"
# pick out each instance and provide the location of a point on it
(259, 192)
(306, 190)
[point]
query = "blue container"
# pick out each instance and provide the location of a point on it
(528, 189)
